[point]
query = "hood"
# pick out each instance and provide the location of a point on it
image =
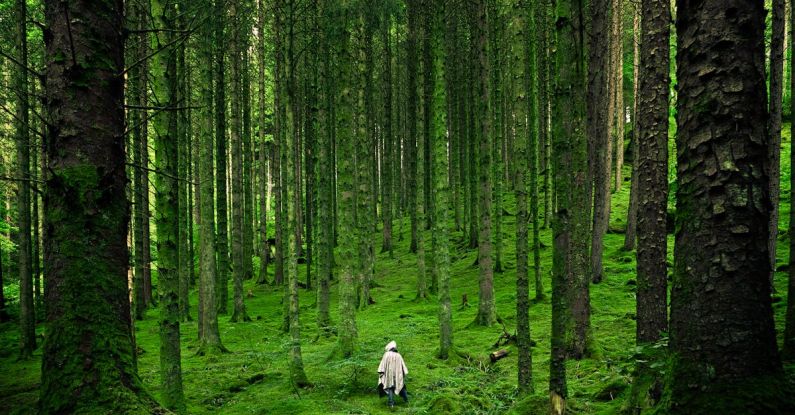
(390, 346)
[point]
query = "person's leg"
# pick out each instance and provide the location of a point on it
(404, 394)
(391, 395)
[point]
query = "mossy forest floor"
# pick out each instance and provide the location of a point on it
(253, 377)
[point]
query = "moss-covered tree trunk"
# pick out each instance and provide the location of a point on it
(616, 74)
(413, 10)
(365, 140)
(137, 90)
(545, 156)
(722, 333)
(209, 335)
(325, 257)
(388, 133)
(222, 242)
(630, 235)
(442, 123)
(570, 279)
(519, 27)
(166, 143)
(487, 313)
(345, 103)
(421, 154)
(184, 255)
(599, 143)
(278, 135)
(236, 143)
(774, 125)
(496, 50)
(264, 177)
(531, 85)
(27, 315)
(88, 364)
(297, 374)
(788, 351)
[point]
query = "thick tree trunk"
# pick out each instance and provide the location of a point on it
(722, 332)
(88, 350)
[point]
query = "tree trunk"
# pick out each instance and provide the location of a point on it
(27, 315)
(325, 192)
(183, 217)
(264, 177)
(774, 126)
(236, 142)
(209, 335)
(88, 350)
(600, 67)
(652, 194)
(412, 57)
(632, 214)
(788, 350)
(617, 115)
(222, 246)
(487, 314)
(345, 104)
(442, 123)
(570, 281)
(722, 332)
(386, 175)
(520, 29)
(292, 180)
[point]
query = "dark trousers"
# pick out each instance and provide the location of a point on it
(390, 393)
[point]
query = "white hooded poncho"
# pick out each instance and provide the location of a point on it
(392, 369)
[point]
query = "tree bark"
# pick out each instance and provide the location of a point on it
(27, 315)
(222, 242)
(788, 351)
(209, 335)
(236, 143)
(774, 126)
(570, 277)
(88, 350)
(722, 332)
(345, 131)
(630, 235)
(520, 29)
(600, 68)
(487, 313)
